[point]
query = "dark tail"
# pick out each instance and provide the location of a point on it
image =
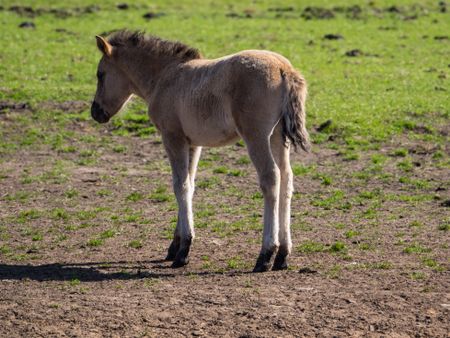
(293, 110)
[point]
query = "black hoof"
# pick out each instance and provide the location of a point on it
(178, 263)
(172, 251)
(181, 258)
(263, 262)
(280, 262)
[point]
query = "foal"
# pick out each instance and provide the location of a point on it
(254, 95)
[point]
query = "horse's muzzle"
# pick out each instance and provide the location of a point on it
(98, 114)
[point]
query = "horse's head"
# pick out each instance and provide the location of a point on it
(114, 88)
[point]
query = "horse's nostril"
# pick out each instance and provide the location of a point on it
(98, 114)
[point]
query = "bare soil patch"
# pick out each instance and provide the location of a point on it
(83, 232)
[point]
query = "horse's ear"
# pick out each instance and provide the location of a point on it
(104, 46)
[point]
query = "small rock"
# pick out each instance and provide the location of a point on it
(123, 6)
(393, 9)
(312, 12)
(354, 52)
(307, 270)
(152, 15)
(446, 203)
(27, 24)
(281, 9)
(19, 106)
(149, 15)
(333, 37)
(232, 15)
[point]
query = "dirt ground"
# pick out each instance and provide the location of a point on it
(388, 277)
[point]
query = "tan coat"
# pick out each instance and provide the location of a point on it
(194, 102)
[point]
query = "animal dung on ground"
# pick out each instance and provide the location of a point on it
(13, 106)
(123, 6)
(446, 203)
(354, 53)
(281, 9)
(333, 37)
(307, 270)
(317, 13)
(27, 24)
(152, 15)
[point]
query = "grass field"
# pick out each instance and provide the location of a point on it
(87, 210)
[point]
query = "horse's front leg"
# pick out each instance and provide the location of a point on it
(194, 156)
(178, 152)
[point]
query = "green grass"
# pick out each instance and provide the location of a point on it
(94, 242)
(161, 195)
(135, 196)
(313, 247)
(108, 234)
(60, 214)
(369, 168)
(71, 193)
(351, 233)
(135, 244)
(235, 263)
(416, 248)
(380, 265)
(220, 170)
(415, 224)
(26, 215)
(299, 169)
(444, 226)
(336, 199)
(418, 275)
(338, 247)
(397, 78)
(4, 249)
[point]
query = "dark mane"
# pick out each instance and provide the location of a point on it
(153, 45)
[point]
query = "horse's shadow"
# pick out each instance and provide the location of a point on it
(95, 271)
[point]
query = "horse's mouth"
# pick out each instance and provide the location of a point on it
(98, 114)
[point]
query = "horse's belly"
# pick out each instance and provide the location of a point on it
(213, 140)
(214, 130)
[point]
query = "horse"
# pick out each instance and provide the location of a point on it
(194, 102)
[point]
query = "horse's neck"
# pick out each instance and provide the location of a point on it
(145, 73)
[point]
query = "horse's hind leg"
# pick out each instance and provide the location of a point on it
(178, 152)
(194, 156)
(280, 152)
(269, 180)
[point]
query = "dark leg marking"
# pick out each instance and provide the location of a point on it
(280, 262)
(173, 249)
(263, 262)
(181, 258)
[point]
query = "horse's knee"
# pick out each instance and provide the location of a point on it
(269, 182)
